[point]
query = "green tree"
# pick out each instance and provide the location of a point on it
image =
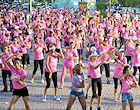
(102, 6)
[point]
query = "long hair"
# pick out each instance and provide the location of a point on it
(125, 69)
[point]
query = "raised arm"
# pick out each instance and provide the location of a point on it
(7, 61)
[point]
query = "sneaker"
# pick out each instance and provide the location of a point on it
(57, 98)
(115, 98)
(32, 81)
(108, 82)
(44, 98)
(42, 81)
(86, 96)
(90, 108)
(4, 90)
(119, 96)
(28, 65)
(61, 87)
(98, 108)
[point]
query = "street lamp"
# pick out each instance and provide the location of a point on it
(110, 7)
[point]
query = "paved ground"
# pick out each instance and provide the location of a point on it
(36, 90)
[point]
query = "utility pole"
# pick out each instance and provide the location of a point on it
(110, 7)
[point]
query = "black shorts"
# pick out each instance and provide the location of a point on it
(21, 92)
(89, 76)
(24, 57)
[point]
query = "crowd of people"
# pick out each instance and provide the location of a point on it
(65, 33)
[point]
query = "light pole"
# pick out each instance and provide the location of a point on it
(110, 7)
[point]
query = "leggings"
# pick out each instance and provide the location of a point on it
(48, 80)
(96, 83)
(4, 77)
(28, 56)
(128, 59)
(107, 69)
(64, 69)
(135, 70)
(123, 40)
(116, 82)
(36, 62)
(24, 58)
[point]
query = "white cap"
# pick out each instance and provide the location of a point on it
(92, 49)
(121, 50)
(16, 27)
(52, 48)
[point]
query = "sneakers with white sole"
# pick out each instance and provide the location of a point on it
(57, 98)
(61, 87)
(32, 81)
(42, 81)
(44, 98)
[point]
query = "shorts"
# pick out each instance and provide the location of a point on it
(126, 96)
(89, 76)
(24, 57)
(76, 94)
(21, 92)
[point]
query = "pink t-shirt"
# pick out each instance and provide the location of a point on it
(4, 58)
(91, 38)
(68, 61)
(124, 33)
(19, 73)
(119, 68)
(129, 49)
(52, 63)
(38, 55)
(126, 82)
(23, 47)
(15, 48)
(94, 73)
(79, 43)
(50, 40)
(136, 57)
(58, 43)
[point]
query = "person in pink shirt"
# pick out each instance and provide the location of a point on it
(51, 39)
(128, 82)
(110, 38)
(6, 70)
(130, 46)
(18, 79)
(93, 51)
(16, 48)
(38, 58)
(79, 45)
(91, 38)
(94, 68)
(51, 70)
(70, 55)
(120, 64)
(24, 45)
(124, 35)
(136, 60)
(103, 46)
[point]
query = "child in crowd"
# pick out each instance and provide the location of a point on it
(79, 81)
(127, 84)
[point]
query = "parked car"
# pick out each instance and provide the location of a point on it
(15, 4)
(6, 5)
(24, 6)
